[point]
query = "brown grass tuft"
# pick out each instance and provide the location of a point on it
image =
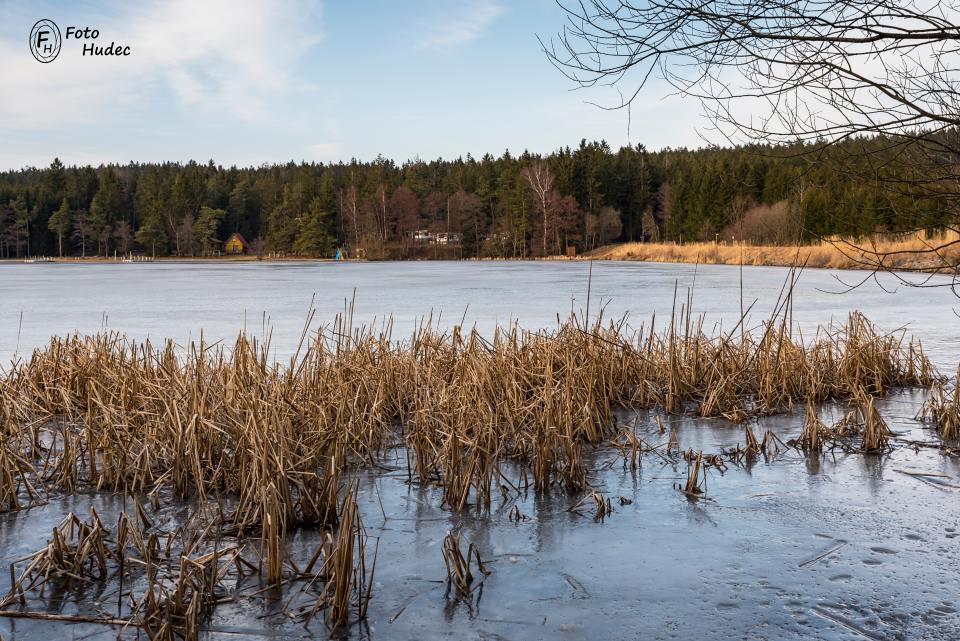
(910, 252)
(942, 410)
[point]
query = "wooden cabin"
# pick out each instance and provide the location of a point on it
(236, 244)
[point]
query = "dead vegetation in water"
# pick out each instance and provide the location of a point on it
(78, 551)
(769, 447)
(120, 415)
(752, 446)
(460, 565)
(602, 505)
(16, 488)
(942, 410)
(169, 581)
(862, 429)
(344, 578)
(815, 432)
(876, 434)
(696, 483)
(106, 413)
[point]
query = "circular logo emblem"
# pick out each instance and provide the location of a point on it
(45, 40)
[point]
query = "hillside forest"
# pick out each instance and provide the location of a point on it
(511, 206)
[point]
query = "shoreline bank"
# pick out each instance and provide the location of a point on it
(913, 254)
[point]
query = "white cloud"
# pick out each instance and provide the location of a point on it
(223, 56)
(461, 23)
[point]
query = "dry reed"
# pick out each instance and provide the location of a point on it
(814, 433)
(179, 587)
(459, 565)
(206, 420)
(910, 252)
(175, 579)
(602, 506)
(104, 412)
(876, 434)
(696, 483)
(347, 582)
(942, 410)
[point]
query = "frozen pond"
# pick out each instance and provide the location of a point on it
(845, 547)
(177, 300)
(833, 546)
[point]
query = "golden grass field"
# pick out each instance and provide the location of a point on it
(913, 252)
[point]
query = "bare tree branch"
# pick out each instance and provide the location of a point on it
(880, 76)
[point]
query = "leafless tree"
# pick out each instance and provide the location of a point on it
(540, 180)
(562, 220)
(880, 75)
(123, 235)
(380, 211)
(349, 203)
(82, 230)
(609, 224)
(772, 224)
(649, 227)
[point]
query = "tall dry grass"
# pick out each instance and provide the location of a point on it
(905, 252)
(209, 421)
(105, 412)
(942, 409)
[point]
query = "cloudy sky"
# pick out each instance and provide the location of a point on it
(248, 82)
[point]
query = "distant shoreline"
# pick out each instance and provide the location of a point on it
(81, 260)
(905, 254)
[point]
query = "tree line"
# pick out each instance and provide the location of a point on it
(508, 206)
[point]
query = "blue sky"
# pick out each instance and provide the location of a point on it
(250, 82)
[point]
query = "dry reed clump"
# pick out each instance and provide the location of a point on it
(176, 603)
(942, 410)
(206, 420)
(344, 583)
(862, 429)
(170, 582)
(19, 448)
(752, 447)
(602, 506)
(78, 551)
(910, 252)
(696, 483)
(16, 489)
(178, 582)
(459, 565)
(107, 413)
(632, 447)
(770, 447)
(815, 433)
(876, 434)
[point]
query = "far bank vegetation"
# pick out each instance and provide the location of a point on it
(511, 206)
(889, 251)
